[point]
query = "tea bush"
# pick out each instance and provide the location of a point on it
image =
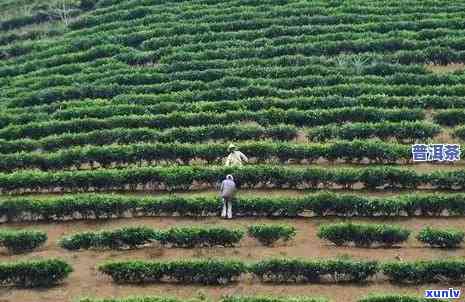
(105, 206)
(223, 299)
(132, 237)
(182, 271)
(148, 135)
(296, 270)
(39, 273)
(22, 241)
(114, 239)
(258, 152)
(363, 234)
(268, 234)
(395, 298)
(450, 117)
(446, 238)
(372, 298)
(163, 121)
(402, 132)
(271, 299)
(140, 299)
(434, 271)
(459, 132)
(183, 178)
(189, 237)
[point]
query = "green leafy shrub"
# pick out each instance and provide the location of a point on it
(268, 117)
(200, 237)
(87, 4)
(441, 238)
(261, 152)
(372, 298)
(403, 131)
(84, 240)
(132, 237)
(148, 135)
(183, 178)
(395, 298)
(363, 234)
(184, 271)
(22, 241)
(129, 236)
(459, 132)
(34, 273)
(425, 271)
(268, 234)
(105, 206)
(224, 299)
(271, 299)
(141, 299)
(295, 270)
(449, 117)
(284, 270)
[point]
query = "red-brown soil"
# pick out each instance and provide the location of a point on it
(86, 281)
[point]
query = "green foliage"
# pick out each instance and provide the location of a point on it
(129, 136)
(446, 238)
(141, 299)
(403, 132)
(155, 104)
(270, 299)
(459, 132)
(189, 237)
(268, 234)
(261, 152)
(434, 271)
(223, 299)
(40, 273)
(132, 237)
(450, 117)
(40, 16)
(284, 270)
(295, 270)
(183, 271)
(395, 298)
(362, 234)
(105, 206)
(22, 241)
(87, 4)
(125, 237)
(183, 177)
(160, 121)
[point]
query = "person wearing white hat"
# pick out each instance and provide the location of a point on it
(235, 157)
(227, 191)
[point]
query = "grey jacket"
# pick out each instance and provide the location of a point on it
(228, 188)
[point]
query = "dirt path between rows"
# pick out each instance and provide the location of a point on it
(86, 281)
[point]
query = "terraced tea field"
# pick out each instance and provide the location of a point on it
(116, 117)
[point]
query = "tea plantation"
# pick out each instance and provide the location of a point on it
(116, 117)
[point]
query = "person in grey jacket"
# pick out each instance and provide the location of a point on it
(227, 191)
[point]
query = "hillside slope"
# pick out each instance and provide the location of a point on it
(107, 107)
(127, 72)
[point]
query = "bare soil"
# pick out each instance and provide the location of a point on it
(449, 68)
(86, 281)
